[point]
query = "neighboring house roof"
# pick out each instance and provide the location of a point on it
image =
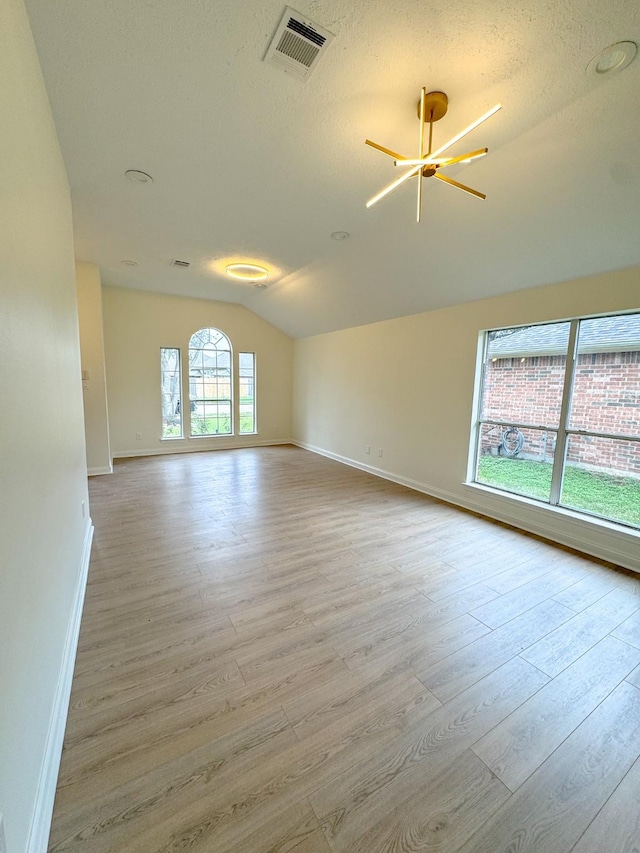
(603, 334)
(217, 362)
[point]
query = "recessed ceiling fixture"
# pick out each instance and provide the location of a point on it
(613, 59)
(432, 106)
(261, 285)
(247, 272)
(340, 235)
(138, 176)
(128, 263)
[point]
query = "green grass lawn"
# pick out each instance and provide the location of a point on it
(617, 498)
(220, 425)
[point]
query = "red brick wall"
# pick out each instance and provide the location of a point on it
(606, 398)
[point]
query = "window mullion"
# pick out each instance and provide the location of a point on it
(561, 440)
(479, 405)
(518, 425)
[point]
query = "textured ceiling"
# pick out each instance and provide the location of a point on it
(248, 161)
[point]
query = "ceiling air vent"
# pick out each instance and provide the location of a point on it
(298, 44)
(183, 264)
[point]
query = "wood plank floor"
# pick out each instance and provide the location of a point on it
(281, 653)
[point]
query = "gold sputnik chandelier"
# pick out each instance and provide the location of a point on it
(432, 106)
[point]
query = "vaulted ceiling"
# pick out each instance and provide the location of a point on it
(250, 162)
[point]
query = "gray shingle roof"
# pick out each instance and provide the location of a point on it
(603, 334)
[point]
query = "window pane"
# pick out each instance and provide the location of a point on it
(515, 460)
(211, 418)
(606, 387)
(247, 392)
(524, 374)
(170, 393)
(602, 476)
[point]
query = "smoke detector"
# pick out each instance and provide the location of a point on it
(298, 44)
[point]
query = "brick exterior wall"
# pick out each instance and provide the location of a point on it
(606, 398)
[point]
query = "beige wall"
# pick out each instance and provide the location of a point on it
(94, 393)
(137, 324)
(42, 464)
(407, 386)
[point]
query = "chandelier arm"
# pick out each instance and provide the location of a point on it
(442, 161)
(421, 149)
(422, 116)
(459, 186)
(467, 130)
(472, 155)
(384, 150)
(392, 186)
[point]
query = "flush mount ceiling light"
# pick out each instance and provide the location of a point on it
(138, 176)
(432, 106)
(612, 59)
(247, 272)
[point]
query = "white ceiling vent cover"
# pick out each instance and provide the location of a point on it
(298, 44)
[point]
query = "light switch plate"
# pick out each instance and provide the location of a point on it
(3, 843)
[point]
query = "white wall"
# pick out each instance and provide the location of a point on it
(407, 385)
(96, 424)
(137, 324)
(42, 463)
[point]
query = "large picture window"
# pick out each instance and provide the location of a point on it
(559, 417)
(210, 383)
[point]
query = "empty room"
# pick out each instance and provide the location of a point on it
(320, 515)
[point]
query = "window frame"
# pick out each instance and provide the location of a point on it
(254, 396)
(180, 398)
(232, 382)
(564, 430)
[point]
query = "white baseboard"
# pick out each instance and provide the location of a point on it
(594, 537)
(43, 809)
(95, 472)
(194, 446)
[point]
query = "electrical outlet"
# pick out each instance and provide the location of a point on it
(138, 436)
(380, 452)
(367, 448)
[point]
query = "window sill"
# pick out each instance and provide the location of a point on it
(581, 518)
(214, 435)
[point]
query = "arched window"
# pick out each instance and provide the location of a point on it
(210, 383)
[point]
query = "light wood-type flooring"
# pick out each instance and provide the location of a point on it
(281, 653)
